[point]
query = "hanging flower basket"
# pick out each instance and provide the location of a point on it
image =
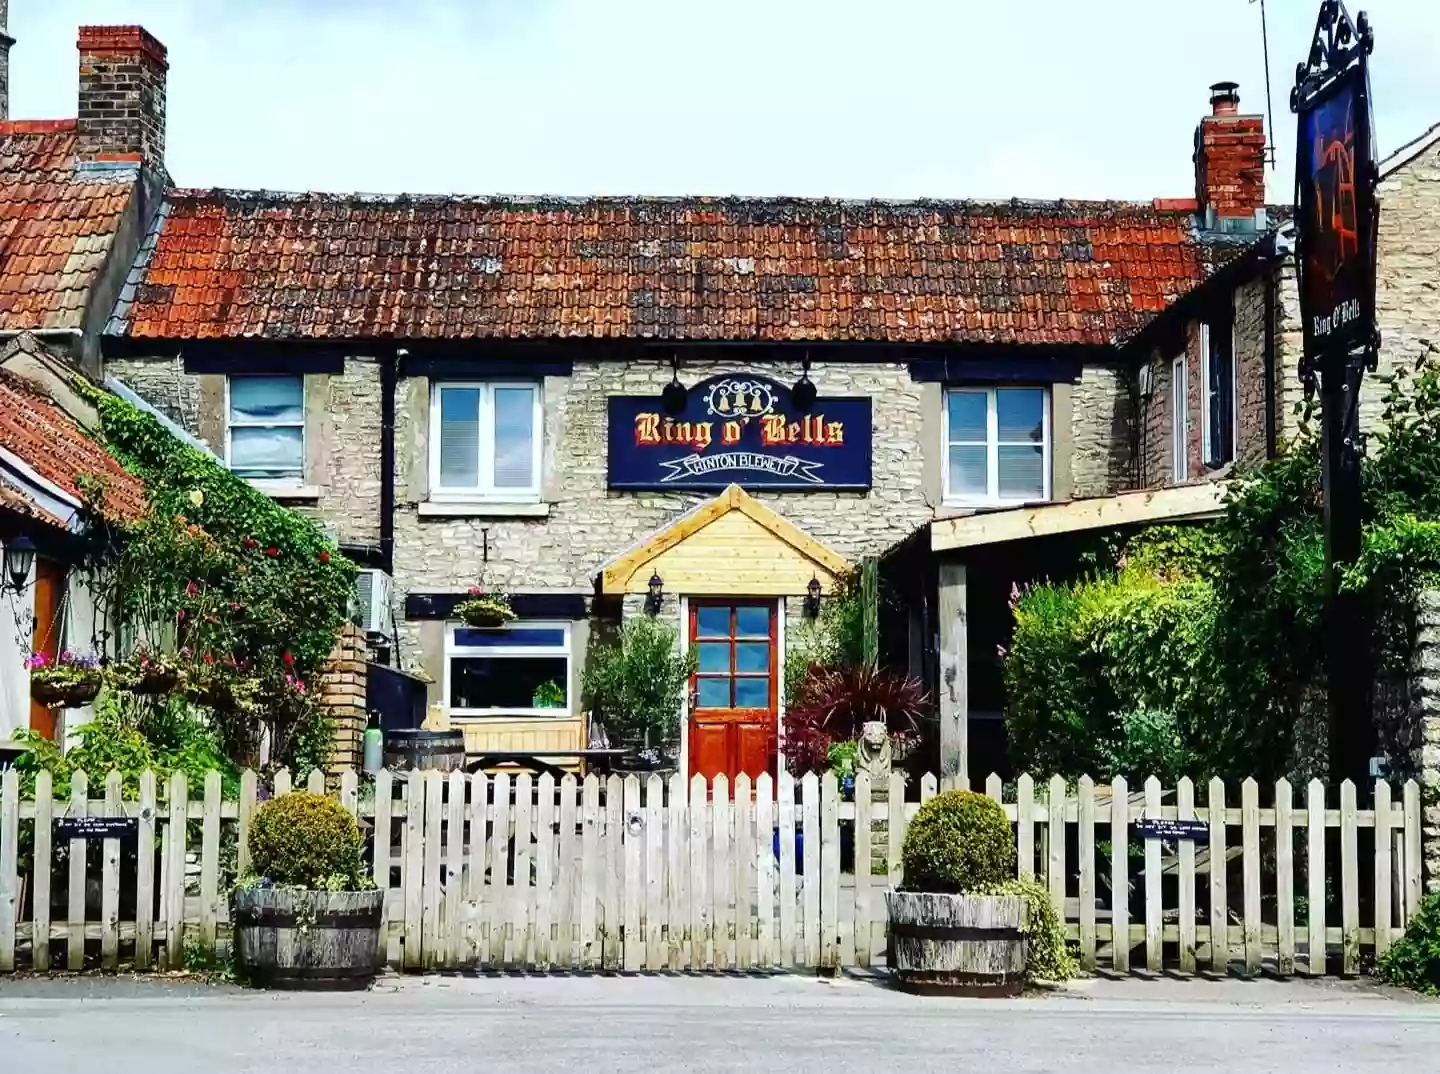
(146, 675)
(485, 610)
(64, 682)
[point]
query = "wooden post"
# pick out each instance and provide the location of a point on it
(9, 867)
(954, 675)
(44, 863)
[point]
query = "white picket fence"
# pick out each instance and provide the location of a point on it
(490, 872)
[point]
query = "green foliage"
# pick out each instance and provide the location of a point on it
(308, 841)
(250, 594)
(835, 639)
(548, 695)
(637, 683)
(841, 758)
(958, 842)
(124, 740)
(1047, 958)
(1414, 962)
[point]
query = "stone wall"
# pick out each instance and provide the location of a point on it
(341, 485)
(1249, 343)
(1425, 699)
(1408, 282)
(1100, 453)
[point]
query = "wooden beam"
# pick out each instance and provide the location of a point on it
(954, 674)
(1186, 502)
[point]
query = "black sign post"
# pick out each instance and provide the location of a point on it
(1335, 180)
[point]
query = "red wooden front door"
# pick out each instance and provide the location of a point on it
(734, 691)
(49, 630)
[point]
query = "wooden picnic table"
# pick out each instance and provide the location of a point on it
(538, 761)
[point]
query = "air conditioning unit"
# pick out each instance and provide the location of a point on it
(373, 592)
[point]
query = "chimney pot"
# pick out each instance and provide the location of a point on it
(1225, 99)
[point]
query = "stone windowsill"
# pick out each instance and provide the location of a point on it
(481, 509)
(285, 490)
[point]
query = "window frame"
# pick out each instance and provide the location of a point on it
(992, 497)
(487, 491)
(1207, 339)
(1180, 418)
(452, 650)
(230, 424)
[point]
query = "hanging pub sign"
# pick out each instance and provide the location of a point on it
(739, 429)
(1335, 173)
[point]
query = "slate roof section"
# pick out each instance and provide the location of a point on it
(55, 446)
(231, 265)
(58, 219)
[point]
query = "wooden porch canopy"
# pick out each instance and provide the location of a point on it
(731, 545)
(1183, 503)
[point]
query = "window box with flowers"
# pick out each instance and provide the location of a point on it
(485, 608)
(65, 681)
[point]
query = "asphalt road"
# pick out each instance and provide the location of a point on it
(787, 1024)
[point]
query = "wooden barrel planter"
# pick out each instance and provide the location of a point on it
(957, 945)
(294, 939)
(436, 751)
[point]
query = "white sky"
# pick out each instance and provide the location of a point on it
(844, 98)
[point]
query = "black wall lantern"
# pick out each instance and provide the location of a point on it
(802, 396)
(19, 558)
(674, 395)
(812, 598)
(656, 594)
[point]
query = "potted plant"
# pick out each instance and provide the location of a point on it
(484, 608)
(148, 673)
(948, 933)
(636, 684)
(307, 916)
(66, 681)
(548, 695)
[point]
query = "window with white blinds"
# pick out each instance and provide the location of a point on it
(265, 427)
(485, 441)
(997, 446)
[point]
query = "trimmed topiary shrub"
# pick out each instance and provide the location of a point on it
(307, 841)
(959, 842)
(1414, 962)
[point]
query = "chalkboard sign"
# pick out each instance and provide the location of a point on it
(95, 827)
(1172, 829)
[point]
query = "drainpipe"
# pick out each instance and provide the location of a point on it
(388, 376)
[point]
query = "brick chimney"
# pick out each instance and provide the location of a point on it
(122, 95)
(1230, 164)
(5, 42)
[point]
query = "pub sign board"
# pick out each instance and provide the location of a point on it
(739, 429)
(1335, 172)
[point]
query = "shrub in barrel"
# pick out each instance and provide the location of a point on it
(948, 932)
(307, 916)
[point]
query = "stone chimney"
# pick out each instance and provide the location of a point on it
(1230, 164)
(5, 42)
(122, 95)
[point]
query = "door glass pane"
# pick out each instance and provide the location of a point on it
(752, 622)
(267, 399)
(1022, 472)
(752, 693)
(714, 656)
(752, 656)
(713, 693)
(968, 471)
(967, 416)
(460, 437)
(712, 622)
(1020, 414)
(257, 451)
(514, 438)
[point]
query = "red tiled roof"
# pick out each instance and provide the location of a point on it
(277, 266)
(55, 446)
(57, 221)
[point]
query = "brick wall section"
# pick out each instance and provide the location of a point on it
(122, 94)
(1155, 424)
(1230, 164)
(342, 692)
(1408, 283)
(1101, 428)
(1425, 694)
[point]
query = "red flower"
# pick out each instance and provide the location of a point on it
(180, 614)
(249, 542)
(272, 551)
(324, 557)
(288, 660)
(209, 659)
(191, 589)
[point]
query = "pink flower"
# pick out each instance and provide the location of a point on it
(37, 660)
(191, 589)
